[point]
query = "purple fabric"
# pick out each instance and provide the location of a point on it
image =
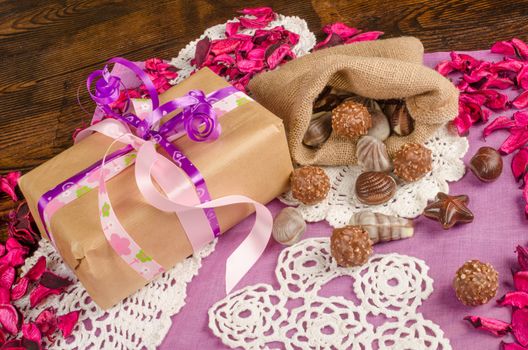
(498, 227)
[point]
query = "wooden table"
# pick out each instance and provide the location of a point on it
(47, 48)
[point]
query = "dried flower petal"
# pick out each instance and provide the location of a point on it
(8, 188)
(263, 16)
(31, 332)
(503, 47)
(521, 101)
(498, 123)
(511, 346)
(250, 66)
(367, 36)
(278, 55)
(203, 47)
(232, 28)
(444, 68)
(9, 318)
(66, 322)
(517, 139)
(508, 64)
(5, 296)
(46, 322)
(36, 271)
(521, 48)
(7, 276)
(14, 257)
(496, 327)
(519, 167)
(340, 29)
(522, 77)
(331, 40)
(20, 289)
(520, 326)
(515, 299)
(40, 293)
(53, 281)
(520, 281)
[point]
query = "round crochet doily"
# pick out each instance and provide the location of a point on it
(390, 285)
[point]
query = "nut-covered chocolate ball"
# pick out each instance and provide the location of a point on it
(486, 164)
(350, 246)
(351, 119)
(412, 161)
(310, 184)
(476, 283)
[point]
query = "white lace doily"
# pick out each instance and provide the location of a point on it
(391, 285)
(142, 320)
(410, 199)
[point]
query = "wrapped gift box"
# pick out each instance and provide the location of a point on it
(250, 158)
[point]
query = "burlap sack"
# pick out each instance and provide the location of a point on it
(382, 69)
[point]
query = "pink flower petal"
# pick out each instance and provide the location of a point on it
(511, 346)
(221, 46)
(40, 293)
(36, 271)
(9, 318)
(66, 322)
(232, 28)
(226, 59)
(256, 54)
(46, 322)
(521, 48)
(20, 289)
(53, 281)
(258, 11)
(8, 189)
(521, 101)
(522, 77)
(522, 257)
(203, 47)
(250, 66)
(14, 257)
(498, 123)
(521, 119)
(331, 40)
(31, 332)
(517, 139)
(497, 83)
(508, 64)
(519, 168)
(276, 57)
(520, 281)
(367, 36)
(5, 296)
(503, 47)
(340, 29)
(515, 299)
(444, 68)
(496, 327)
(520, 326)
(7, 276)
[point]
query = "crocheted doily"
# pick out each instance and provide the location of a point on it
(142, 320)
(390, 285)
(409, 200)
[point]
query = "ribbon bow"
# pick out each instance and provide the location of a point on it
(184, 189)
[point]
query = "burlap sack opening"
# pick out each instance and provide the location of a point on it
(383, 69)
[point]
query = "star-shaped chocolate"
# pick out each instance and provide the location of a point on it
(449, 210)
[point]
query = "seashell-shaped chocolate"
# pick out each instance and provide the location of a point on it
(288, 226)
(486, 164)
(319, 130)
(400, 120)
(380, 124)
(372, 154)
(374, 188)
(383, 228)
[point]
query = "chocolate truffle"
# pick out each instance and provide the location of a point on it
(350, 246)
(486, 164)
(476, 283)
(412, 161)
(310, 184)
(351, 119)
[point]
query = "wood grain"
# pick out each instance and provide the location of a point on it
(47, 48)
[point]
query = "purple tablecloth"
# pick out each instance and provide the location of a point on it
(498, 227)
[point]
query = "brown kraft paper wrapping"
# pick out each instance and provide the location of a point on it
(250, 158)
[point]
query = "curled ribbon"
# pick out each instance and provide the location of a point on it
(185, 190)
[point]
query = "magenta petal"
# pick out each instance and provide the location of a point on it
(14, 257)
(232, 28)
(508, 64)
(522, 257)
(229, 45)
(521, 119)
(36, 271)
(263, 11)
(521, 48)
(5, 296)
(20, 289)
(515, 299)
(53, 281)
(520, 281)
(522, 77)
(6, 187)
(511, 346)
(46, 322)
(444, 68)
(521, 101)
(520, 326)
(67, 322)
(497, 83)
(226, 59)
(367, 36)
(31, 332)
(340, 29)
(203, 47)
(498, 123)
(250, 66)
(7, 276)
(517, 139)
(9, 318)
(40, 293)
(503, 47)
(251, 23)
(274, 58)
(496, 327)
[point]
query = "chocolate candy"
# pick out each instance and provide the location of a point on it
(412, 162)
(449, 210)
(310, 184)
(476, 283)
(374, 188)
(288, 226)
(486, 164)
(351, 119)
(319, 130)
(372, 154)
(350, 246)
